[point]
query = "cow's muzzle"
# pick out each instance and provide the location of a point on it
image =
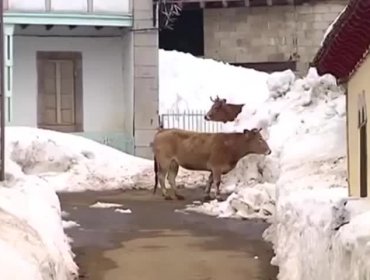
(268, 152)
(206, 117)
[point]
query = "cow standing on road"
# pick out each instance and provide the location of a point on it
(215, 152)
(222, 111)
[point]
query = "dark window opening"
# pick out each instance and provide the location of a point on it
(362, 125)
(187, 34)
(363, 160)
(269, 67)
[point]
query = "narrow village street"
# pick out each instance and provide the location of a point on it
(157, 242)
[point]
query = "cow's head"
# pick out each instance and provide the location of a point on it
(218, 111)
(256, 143)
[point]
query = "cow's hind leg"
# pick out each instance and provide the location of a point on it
(217, 182)
(172, 173)
(207, 190)
(162, 172)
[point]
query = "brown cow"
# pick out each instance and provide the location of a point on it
(222, 111)
(215, 152)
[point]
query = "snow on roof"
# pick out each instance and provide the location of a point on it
(330, 28)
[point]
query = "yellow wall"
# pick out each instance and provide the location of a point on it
(359, 82)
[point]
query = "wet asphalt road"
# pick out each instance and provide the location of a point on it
(156, 242)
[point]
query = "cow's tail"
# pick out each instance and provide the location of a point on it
(155, 175)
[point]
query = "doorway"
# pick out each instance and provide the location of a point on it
(59, 102)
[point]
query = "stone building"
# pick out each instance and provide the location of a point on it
(263, 34)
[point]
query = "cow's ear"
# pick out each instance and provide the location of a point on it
(245, 131)
(223, 100)
(255, 130)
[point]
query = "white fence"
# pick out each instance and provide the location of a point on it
(192, 120)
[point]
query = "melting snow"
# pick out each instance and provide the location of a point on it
(123, 211)
(105, 205)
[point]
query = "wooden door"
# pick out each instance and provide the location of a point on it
(60, 92)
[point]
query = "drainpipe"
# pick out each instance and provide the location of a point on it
(2, 94)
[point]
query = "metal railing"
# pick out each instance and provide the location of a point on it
(192, 120)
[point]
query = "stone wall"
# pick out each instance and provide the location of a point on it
(268, 34)
(145, 40)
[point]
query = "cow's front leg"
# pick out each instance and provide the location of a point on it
(217, 182)
(207, 190)
(172, 173)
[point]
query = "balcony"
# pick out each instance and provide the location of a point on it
(122, 7)
(76, 12)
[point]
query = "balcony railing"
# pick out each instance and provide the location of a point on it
(122, 7)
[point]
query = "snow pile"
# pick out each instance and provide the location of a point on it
(302, 233)
(31, 235)
(69, 162)
(294, 114)
(187, 82)
(351, 245)
(72, 163)
(321, 234)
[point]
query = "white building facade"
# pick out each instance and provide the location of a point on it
(88, 67)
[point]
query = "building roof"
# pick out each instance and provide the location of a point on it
(347, 44)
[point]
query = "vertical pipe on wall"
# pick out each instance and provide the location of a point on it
(90, 6)
(2, 95)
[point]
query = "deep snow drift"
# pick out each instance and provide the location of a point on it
(303, 121)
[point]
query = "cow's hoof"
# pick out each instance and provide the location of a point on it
(219, 198)
(207, 198)
(179, 197)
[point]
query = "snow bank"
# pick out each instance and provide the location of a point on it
(31, 235)
(294, 114)
(322, 234)
(187, 82)
(71, 163)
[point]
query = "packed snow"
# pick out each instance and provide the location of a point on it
(70, 224)
(123, 211)
(32, 235)
(105, 205)
(117, 207)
